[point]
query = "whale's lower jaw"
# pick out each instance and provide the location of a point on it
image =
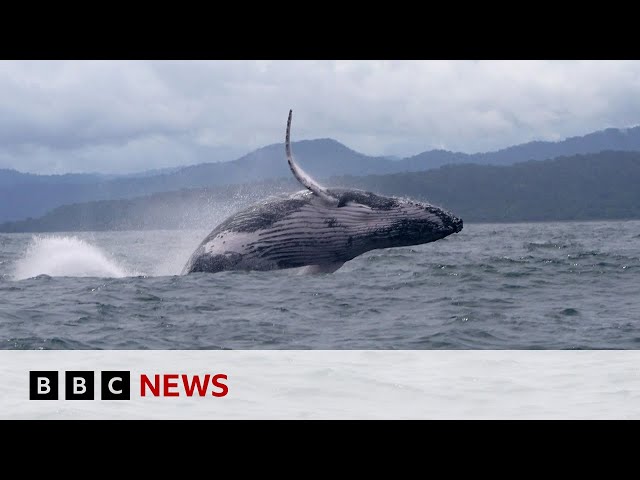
(219, 263)
(206, 263)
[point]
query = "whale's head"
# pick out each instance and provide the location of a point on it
(384, 222)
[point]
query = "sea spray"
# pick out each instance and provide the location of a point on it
(66, 256)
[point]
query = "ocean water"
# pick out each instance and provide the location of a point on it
(572, 285)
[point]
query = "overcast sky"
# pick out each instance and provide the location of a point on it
(128, 116)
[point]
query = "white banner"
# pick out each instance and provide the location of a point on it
(320, 384)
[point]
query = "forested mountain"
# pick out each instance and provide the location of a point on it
(579, 187)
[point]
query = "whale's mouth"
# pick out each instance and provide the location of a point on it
(457, 225)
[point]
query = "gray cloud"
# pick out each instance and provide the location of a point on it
(124, 116)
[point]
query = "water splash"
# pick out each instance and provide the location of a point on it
(66, 256)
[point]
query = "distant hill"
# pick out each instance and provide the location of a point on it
(28, 195)
(611, 139)
(9, 178)
(597, 186)
(580, 187)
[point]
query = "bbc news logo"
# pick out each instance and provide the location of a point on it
(116, 385)
(80, 385)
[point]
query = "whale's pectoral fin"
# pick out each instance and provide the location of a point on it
(324, 268)
(303, 177)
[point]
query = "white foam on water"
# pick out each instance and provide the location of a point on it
(66, 256)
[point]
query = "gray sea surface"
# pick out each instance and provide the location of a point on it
(573, 285)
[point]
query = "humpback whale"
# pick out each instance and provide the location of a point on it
(318, 228)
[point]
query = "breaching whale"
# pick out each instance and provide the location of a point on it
(318, 228)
